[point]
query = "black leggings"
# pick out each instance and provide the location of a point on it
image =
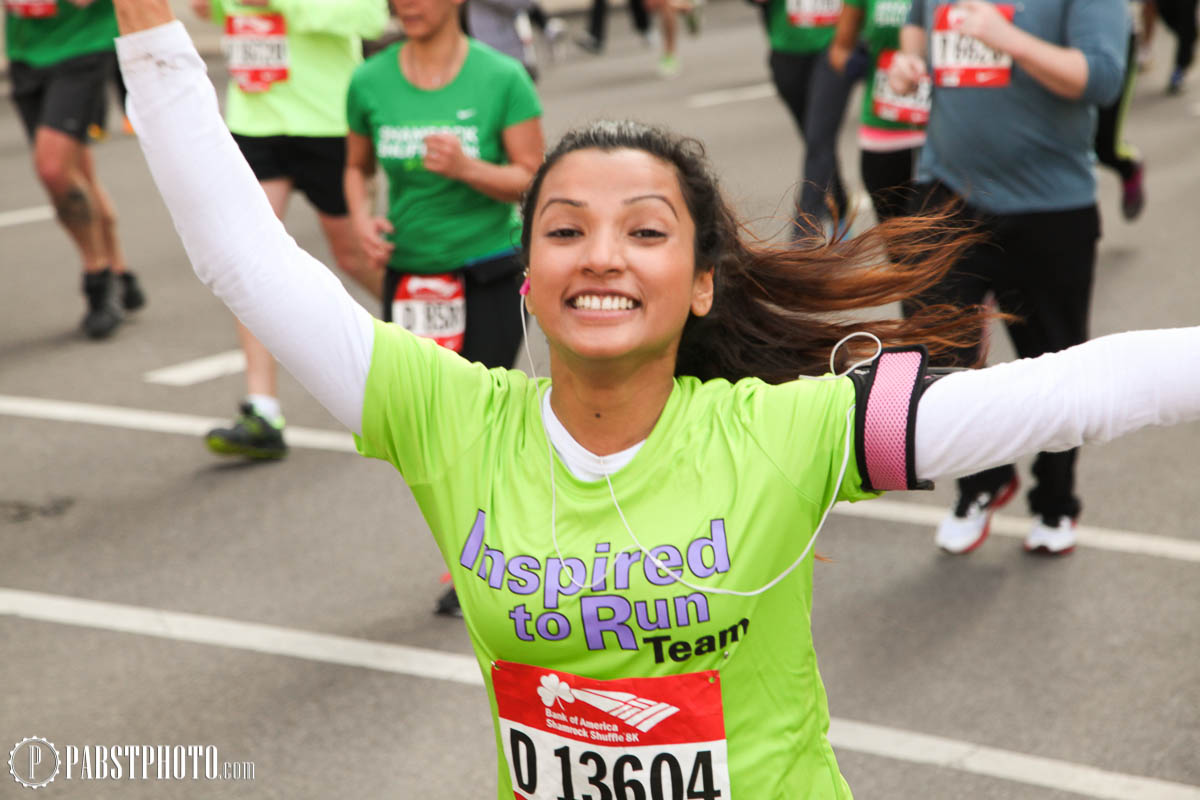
(1039, 266)
(889, 180)
(1180, 17)
(494, 309)
(1110, 150)
(816, 94)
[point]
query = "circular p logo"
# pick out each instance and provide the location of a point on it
(34, 762)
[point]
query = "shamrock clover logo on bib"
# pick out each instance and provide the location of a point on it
(567, 737)
(257, 50)
(964, 61)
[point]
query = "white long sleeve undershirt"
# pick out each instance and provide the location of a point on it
(965, 422)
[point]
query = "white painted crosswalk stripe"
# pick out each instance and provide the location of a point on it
(1118, 541)
(861, 737)
(199, 370)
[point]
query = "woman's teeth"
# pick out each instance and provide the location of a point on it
(607, 302)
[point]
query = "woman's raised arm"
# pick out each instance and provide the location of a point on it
(238, 248)
(1091, 393)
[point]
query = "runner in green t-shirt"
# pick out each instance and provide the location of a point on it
(892, 127)
(290, 62)
(799, 32)
(456, 127)
(61, 56)
(633, 536)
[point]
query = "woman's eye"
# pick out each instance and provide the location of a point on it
(649, 233)
(562, 233)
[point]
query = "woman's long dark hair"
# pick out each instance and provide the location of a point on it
(779, 310)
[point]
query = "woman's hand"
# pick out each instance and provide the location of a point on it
(372, 233)
(983, 21)
(444, 155)
(906, 72)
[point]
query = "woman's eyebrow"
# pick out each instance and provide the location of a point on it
(564, 200)
(641, 197)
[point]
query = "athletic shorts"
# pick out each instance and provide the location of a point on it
(314, 165)
(67, 96)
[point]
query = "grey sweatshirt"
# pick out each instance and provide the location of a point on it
(1021, 148)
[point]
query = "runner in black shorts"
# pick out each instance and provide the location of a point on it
(290, 122)
(61, 56)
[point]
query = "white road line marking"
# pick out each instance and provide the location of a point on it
(876, 740)
(1116, 541)
(1005, 764)
(718, 98)
(1100, 538)
(269, 639)
(22, 216)
(156, 421)
(189, 373)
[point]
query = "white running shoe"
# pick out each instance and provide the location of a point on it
(1051, 540)
(966, 527)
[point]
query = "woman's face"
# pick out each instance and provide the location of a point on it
(423, 18)
(611, 258)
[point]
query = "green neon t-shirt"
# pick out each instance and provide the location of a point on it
(801, 26)
(442, 224)
(882, 21)
(45, 32)
(727, 490)
(311, 54)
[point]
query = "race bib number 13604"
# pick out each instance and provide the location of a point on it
(570, 738)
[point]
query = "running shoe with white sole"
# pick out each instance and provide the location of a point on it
(967, 526)
(1056, 539)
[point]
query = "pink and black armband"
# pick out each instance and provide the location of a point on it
(885, 417)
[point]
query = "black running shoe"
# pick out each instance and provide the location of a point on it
(132, 296)
(103, 314)
(447, 604)
(251, 436)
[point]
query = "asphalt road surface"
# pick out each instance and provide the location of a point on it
(280, 614)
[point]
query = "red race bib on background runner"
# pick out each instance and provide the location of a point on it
(813, 13)
(256, 46)
(569, 738)
(433, 306)
(32, 9)
(912, 108)
(964, 61)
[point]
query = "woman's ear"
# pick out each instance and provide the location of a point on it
(702, 292)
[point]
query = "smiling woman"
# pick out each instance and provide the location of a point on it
(632, 538)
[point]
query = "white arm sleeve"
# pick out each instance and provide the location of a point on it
(1095, 392)
(239, 249)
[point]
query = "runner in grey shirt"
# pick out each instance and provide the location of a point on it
(1009, 150)
(1025, 146)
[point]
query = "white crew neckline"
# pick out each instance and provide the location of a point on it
(579, 461)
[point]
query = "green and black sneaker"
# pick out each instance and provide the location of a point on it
(251, 436)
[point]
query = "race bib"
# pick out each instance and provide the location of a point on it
(911, 108)
(257, 50)
(570, 738)
(964, 61)
(433, 306)
(32, 9)
(813, 13)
